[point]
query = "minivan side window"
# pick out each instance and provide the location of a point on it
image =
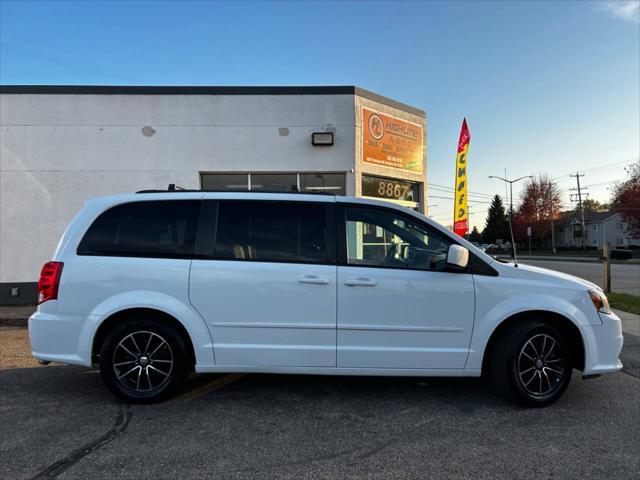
(382, 238)
(272, 231)
(164, 228)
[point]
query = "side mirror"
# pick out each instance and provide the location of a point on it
(457, 257)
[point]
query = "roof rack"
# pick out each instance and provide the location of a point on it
(172, 188)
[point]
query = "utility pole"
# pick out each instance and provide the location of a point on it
(606, 258)
(553, 234)
(583, 233)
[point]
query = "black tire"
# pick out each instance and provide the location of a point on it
(156, 369)
(531, 363)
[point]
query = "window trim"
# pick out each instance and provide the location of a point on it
(178, 256)
(206, 237)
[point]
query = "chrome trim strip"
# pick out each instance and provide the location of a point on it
(400, 328)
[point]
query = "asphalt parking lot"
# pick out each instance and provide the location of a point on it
(60, 422)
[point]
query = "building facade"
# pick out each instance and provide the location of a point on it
(600, 227)
(60, 145)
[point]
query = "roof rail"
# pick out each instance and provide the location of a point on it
(172, 188)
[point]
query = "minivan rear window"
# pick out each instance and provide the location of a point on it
(272, 232)
(144, 229)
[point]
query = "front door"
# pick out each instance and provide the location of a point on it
(399, 306)
(268, 290)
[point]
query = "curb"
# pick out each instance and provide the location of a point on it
(14, 322)
(16, 315)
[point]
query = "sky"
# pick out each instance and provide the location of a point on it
(546, 87)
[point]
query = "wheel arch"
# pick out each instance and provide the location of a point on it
(122, 315)
(565, 324)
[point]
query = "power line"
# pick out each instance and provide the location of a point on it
(451, 189)
(451, 198)
(603, 183)
(599, 168)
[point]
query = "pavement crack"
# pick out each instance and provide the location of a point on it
(120, 424)
(632, 375)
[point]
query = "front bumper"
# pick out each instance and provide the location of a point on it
(603, 344)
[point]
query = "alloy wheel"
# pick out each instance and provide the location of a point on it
(143, 361)
(541, 365)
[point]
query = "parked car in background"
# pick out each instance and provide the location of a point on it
(155, 285)
(478, 246)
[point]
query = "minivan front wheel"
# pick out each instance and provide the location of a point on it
(531, 363)
(143, 361)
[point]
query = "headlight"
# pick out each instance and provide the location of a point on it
(600, 301)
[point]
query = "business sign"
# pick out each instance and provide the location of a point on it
(460, 210)
(391, 142)
(389, 189)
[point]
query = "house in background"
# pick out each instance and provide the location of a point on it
(600, 227)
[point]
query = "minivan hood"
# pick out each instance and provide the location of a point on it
(529, 271)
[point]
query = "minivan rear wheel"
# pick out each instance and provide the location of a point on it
(531, 363)
(143, 360)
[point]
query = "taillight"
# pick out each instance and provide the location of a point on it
(49, 281)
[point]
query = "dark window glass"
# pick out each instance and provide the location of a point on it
(274, 182)
(224, 181)
(386, 239)
(272, 231)
(144, 229)
(333, 183)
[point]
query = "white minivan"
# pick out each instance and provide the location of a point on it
(154, 285)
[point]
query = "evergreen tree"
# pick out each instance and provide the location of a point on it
(475, 236)
(496, 225)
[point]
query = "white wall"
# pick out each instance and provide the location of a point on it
(58, 150)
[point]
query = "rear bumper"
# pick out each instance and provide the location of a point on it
(57, 338)
(603, 344)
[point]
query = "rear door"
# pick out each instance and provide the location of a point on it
(399, 306)
(265, 282)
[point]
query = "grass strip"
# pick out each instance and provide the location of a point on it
(625, 302)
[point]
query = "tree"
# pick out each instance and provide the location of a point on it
(591, 205)
(626, 199)
(475, 236)
(496, 225)
(540, 201)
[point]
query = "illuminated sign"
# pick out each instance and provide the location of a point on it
(391, 142)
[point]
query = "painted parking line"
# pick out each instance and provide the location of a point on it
(209, 387)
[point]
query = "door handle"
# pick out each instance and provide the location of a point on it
(360, 282)
(315, 279)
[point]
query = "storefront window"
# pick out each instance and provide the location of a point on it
(334, 183)
(330, 183)
(274, 182)
(224, 181)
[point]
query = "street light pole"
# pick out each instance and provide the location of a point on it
(553, 234)
(511, 182)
